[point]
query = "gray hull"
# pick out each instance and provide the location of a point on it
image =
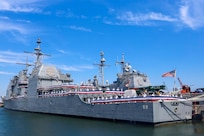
(148, 112)
(42, 90)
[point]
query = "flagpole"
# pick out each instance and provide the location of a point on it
(174, 81)
(171, 74)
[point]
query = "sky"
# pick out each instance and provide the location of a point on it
(154, 36)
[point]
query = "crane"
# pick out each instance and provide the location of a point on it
(185, 88)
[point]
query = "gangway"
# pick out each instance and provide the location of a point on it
(197, 98)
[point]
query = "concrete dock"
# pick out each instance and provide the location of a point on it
(198, 106)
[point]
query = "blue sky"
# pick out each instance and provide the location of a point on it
(155, 37)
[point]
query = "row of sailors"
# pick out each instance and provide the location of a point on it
(75, 90)
(83, 88)
(66, 92)
(89, 99)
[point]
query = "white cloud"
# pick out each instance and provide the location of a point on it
(24, 21)
(75, 68)
(73, 54)
(188, 12)
(66, 52)
(6, 73)
(12, 57)
(67, 13)
(130, 18)
(4, 17)
(12, 26)
(62, 51)
(17, 28)
(19, 5)
(87, 67)
(14, 23)
(69, 68)
(191, 13)
(80, 28)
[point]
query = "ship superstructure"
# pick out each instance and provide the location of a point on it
(130, 98)
(130, 78)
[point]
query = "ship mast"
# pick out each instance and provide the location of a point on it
(27, 64)
(122, 63)
(38, 53)
(101, 67)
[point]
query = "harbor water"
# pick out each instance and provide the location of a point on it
(35, 124)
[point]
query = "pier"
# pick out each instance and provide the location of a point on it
(1, 102)
(198, 112)
(198, 106)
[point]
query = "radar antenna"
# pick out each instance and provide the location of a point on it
(27, 64)
(122, 63)
(38, 53)
(101, 67)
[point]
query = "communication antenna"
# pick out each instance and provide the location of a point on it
(27, 64)
(38, 53)
(101, 67)
(122, 63)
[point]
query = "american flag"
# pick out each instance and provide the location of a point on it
(170, 74)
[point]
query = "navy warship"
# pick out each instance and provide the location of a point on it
(130, 98)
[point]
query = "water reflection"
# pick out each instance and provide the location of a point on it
(33, 124)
